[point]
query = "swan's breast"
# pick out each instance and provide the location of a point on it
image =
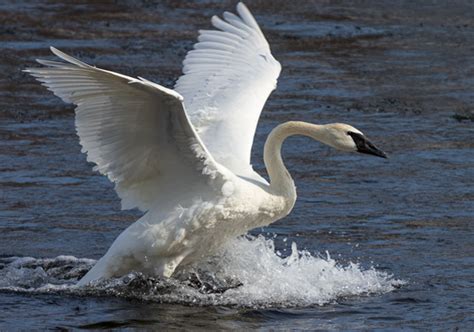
(252, 206)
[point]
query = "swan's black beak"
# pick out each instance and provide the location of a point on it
(365, 146)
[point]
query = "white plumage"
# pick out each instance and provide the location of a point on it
(183, 156)
(227, 79)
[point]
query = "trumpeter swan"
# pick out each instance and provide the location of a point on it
(182, 156)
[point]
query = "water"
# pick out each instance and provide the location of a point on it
(371, 244)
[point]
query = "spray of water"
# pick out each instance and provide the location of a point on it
(248, 272)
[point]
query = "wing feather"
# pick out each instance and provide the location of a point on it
(135, 131)
(227, 78)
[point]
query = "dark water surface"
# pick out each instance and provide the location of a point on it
(403, 72)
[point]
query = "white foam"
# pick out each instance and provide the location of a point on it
(266, 279)
(298, 280)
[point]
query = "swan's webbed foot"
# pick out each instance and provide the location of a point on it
(208, 283)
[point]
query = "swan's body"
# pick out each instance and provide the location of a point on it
(183, 156)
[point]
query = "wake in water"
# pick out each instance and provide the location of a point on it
(248, 272)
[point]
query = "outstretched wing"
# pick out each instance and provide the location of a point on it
(227, 79)
(135, 131)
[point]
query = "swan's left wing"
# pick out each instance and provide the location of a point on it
(227, 79)
(135, 131)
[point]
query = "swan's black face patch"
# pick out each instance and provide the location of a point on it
(365, 146)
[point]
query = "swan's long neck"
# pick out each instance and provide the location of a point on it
(281, 182)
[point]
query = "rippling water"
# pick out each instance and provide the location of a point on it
(371, 244)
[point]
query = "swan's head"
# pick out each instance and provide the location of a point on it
(347, 138)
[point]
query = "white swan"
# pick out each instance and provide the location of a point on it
(183, 156)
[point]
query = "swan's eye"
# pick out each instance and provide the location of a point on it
(356, 136)
(363, 145)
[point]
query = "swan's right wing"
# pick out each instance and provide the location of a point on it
(227, 79)
(135, 131)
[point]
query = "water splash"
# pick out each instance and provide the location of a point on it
(248, 272)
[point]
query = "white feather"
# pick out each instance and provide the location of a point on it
(135, 131)
(232, 70)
